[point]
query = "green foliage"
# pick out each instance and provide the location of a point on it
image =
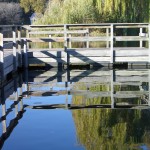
(37, 6)
(92, 11)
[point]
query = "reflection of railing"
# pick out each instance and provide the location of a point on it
(10, 50)
(92, 78)
(13, 87)
(42, 84)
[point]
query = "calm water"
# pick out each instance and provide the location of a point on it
(76, 110)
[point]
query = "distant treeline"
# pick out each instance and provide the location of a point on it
(74, 11)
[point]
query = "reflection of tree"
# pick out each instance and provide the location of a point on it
(110, 128)
(105, 88)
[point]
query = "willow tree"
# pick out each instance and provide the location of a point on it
(96, 11)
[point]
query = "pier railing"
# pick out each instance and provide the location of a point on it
(86, 37)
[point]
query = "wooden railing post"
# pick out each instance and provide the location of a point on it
(19, 47)
(107, 35)
(87, 35)
(149, 41)
(1, 55)
(25, 53)
(27, 36)
(111, 43)
(15, 60)
(70, 45)
(140, 34)
(50, 43)
(65, 43)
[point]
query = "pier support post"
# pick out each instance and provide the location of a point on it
(25, 54)
(111, 43)
(1, 55)
(15, 58)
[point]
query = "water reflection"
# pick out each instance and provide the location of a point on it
(110, 108)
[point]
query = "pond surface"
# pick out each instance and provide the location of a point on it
(76, 110)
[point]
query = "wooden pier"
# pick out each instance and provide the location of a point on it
(73, 44)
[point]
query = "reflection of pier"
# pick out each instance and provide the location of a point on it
(12, 87)
(70, 83)
(75, 83)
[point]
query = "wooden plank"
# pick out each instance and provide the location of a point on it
(59, 54)
(9, 86)
(127, 49)
(130, 38)
(59, 32)
(46, 39)
(45, 60)
(107, 59)
(72, 39)
(140, 72)
(131, 78)
(8, 45)
(8, 61)
(90, 39)
(104, 72)
(8, 69)
(132, 26)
